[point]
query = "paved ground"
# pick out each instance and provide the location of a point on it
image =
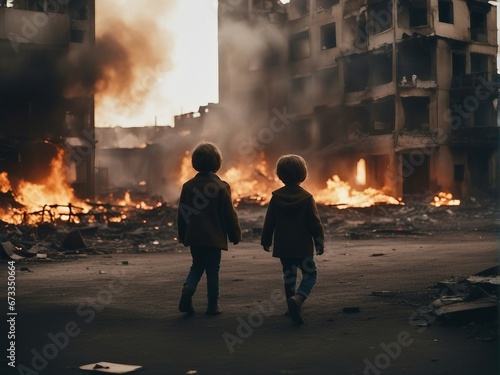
(71, 313)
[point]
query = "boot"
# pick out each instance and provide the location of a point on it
(295, 307)
(213, 307)
(186, 303)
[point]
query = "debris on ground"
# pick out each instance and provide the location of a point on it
(475, 294)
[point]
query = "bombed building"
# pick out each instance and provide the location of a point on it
(410, 87)
(46, 98)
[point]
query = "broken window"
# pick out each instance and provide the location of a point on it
(356, 73)
(328, 81)
(415, 171)
(416, 110)
(300, 47)
(35, 5)
(458, 64)
(459, 172)
(328, 36)
(272, 56)
(78, 9)
(415, 58)
(380, 17)
(356, 121)
(383, 115)
(460, 116)
(417, 10)
(478, 63)
(325, 4)
(302, 134)
(358, 25)
(478, 30)
(482, 114)
(297, 9)
(328, 123)
(380, 67)
(77, 36)
(300, 91)
(445, 11)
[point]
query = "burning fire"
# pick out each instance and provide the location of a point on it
(256, 184)
(445, 199)
(339, 193)
(361, 172)
(50, 198)
(253, 183)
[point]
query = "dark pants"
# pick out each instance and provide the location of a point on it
(205, 259)
(309, 275)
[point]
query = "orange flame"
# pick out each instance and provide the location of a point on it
(4, 183)
(36, 197)
(256, 183)
(361, 172)
(445, 199)
(342, 195)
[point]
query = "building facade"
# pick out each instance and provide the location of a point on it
(409, 86)
(45, 102)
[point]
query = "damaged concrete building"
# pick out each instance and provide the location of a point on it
(46, 101)
(409, 86)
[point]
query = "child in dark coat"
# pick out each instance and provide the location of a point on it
(206, 218)
(292, 219)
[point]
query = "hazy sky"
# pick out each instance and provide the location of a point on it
(188, 80)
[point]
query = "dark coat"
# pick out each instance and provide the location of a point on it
(206, 215)
(292, 216)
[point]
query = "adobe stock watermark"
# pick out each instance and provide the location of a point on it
(201, 199)
(59, 341)
(457, 115)
(420, 319)
(250, 148)
(255, 318)
(30, 27)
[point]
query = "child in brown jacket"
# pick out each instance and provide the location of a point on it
(205, 219)
(292, 219)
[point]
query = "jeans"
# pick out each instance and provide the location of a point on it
(205, 259)
(309, 275)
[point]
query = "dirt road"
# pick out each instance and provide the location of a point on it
(71, 313)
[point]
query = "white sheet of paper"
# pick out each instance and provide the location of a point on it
(112, 368)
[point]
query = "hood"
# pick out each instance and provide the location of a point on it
(290, 198)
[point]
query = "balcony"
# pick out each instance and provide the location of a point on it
(24, 27)
(476, 136)
(471, 81)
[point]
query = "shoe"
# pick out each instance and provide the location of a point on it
(186, 302)
(295, 308)
(213, 308)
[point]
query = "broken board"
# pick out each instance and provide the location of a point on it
(110, 368)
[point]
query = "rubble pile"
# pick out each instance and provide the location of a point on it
(142, 230)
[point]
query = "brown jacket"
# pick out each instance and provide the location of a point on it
(292, 216)
(206, 215)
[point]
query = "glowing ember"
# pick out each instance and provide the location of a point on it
(445, 199)
(361, 172)
(339, 193)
